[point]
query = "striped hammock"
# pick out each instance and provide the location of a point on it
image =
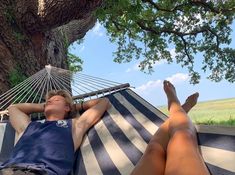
(116, 143)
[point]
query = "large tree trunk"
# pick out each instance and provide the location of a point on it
(34, 33)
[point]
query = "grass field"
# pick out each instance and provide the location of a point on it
(216, 112)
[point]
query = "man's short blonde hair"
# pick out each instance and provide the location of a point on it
(63, 93)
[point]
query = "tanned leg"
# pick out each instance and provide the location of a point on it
(190, 102)
(183, 156)
(153, 161)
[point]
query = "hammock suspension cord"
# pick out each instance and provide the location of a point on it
(34, 88)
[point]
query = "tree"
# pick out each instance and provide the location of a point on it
(38, 32)
(148, 28)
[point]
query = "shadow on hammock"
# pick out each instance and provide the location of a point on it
(116, 143)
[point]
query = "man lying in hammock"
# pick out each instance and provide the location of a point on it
(48, 147)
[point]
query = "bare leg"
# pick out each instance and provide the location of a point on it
(153, 160)
(183, 157)
(190, 102)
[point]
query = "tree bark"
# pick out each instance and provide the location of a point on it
(34, 33)
(43, 15)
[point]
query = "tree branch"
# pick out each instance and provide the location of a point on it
(157, 7)
(206, 5)
(201, 3)
(43, 15)
(217, 39)
(185, 49)
(76, 29)
(121, 27)
(169, 31)
(180, 34)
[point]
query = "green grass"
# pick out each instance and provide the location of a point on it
(216, 112)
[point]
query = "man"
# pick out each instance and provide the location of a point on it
(48, 147)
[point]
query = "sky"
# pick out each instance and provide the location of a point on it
(97, 53)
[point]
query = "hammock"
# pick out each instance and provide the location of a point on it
(116, 143)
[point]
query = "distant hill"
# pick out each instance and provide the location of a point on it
(217, 112)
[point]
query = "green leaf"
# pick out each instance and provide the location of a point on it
(145, 30)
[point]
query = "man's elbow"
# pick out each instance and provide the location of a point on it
(11, 107)
(107, 102)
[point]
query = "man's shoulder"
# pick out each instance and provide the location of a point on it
(75, 119)
(78, 126)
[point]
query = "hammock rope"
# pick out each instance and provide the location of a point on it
(34, 88)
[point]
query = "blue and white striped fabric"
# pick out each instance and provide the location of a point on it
(116, 143)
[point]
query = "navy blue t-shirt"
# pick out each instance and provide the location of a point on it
(46, 145)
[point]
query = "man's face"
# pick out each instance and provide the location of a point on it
(56, 105)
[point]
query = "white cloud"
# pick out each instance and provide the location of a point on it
(177, 78)
(147, 88)
(149, 85)
(97, 30)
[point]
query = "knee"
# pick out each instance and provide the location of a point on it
(154, 148)
(188, 133)
(184, 135)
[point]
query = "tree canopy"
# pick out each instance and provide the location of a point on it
(150, 29)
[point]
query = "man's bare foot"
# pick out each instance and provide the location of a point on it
(170, 93)
(190, 102)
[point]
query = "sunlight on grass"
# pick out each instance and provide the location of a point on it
(216, 112)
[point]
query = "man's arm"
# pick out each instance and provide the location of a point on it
(19, 114)
(94, 110)
(83, 106)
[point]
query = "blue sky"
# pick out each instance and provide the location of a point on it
(97, 53)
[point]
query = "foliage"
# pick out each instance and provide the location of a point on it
(19, 36)
(147, 29)
(10, 16)
(16, 76)
(74, 62)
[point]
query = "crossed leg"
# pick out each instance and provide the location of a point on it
(153, 161)
(154, 158)
(183, 156)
